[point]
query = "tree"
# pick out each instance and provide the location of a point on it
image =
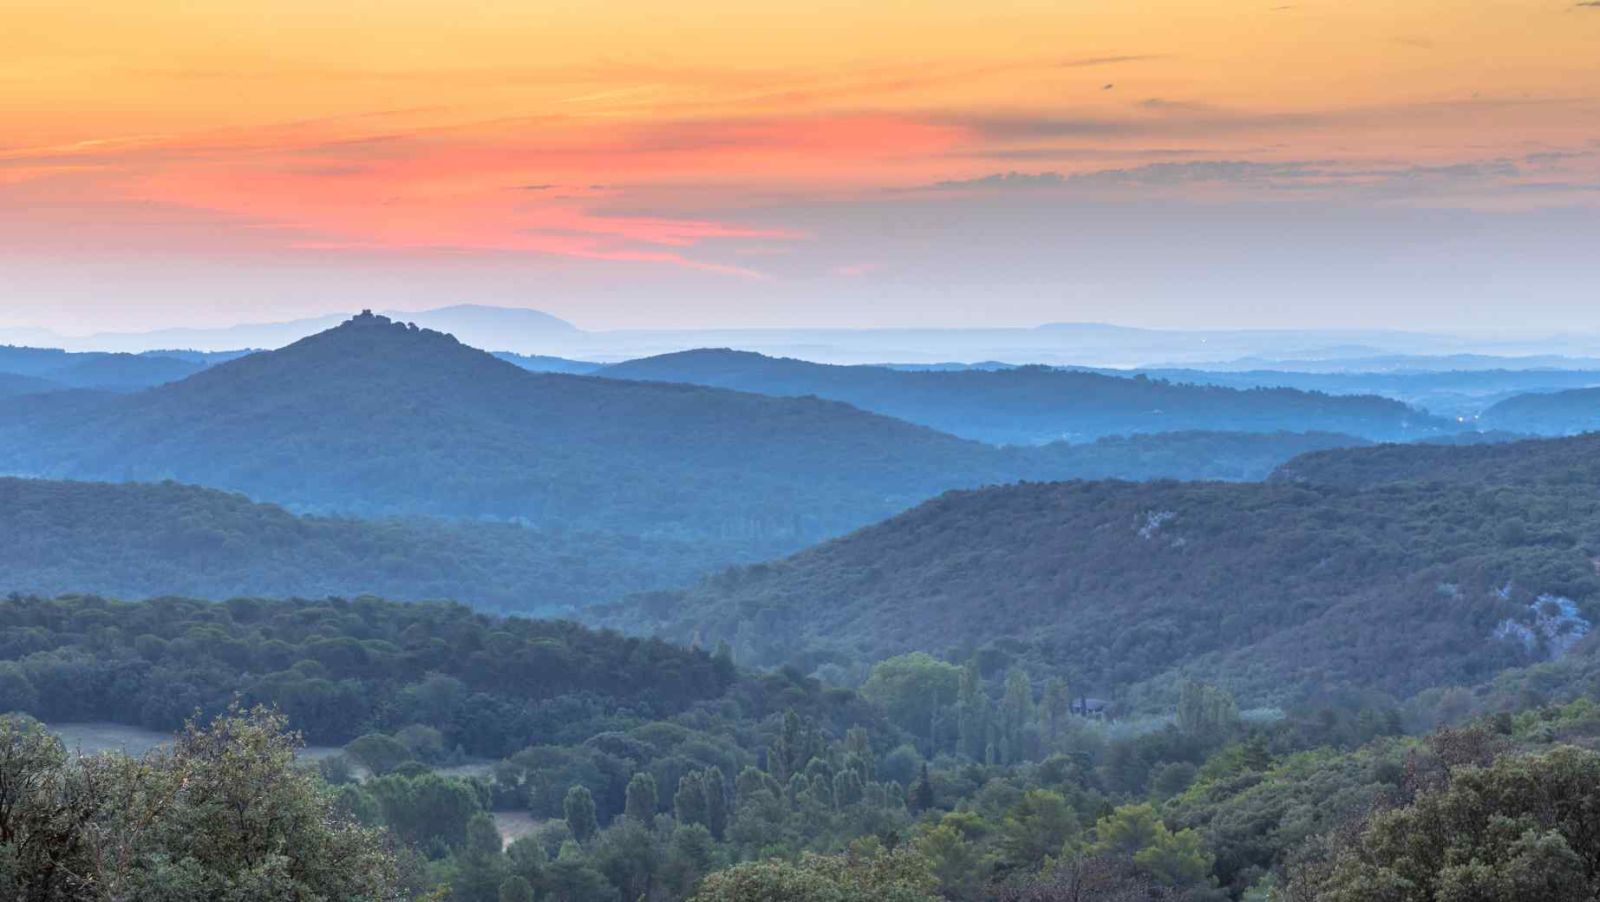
(1036, 827)
(1206, 712)
(972, 713)
(1137, 833)
(578, 806)
(480, 868)
(958, 865)
(689, 802)
(797, 743)
(1016, 713)
(516, 889)
(641, 799)
(895, 876)
(1054, 708)
(1523, 827)
(428, 811)
(921, 797)
(628, 855)
(914, 689)
(716, 803)
(223, 814)
(572, 878)
(526, 858)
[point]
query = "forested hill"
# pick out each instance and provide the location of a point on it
(98, 370)
(373, 417)
(1031, 405)
(1560, 463)
(339, 668)
(140, 540)
(1273, 590)
(16, 384)
(1547, 413)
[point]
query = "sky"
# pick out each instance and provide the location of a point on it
(1426, 164)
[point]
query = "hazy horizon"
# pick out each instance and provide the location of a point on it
(1167, 165)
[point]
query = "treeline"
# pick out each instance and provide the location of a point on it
(142, 539)
(341, 668)
(641, 770)
(1037, 404)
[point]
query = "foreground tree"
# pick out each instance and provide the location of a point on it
(1524, 827)
(223, 813)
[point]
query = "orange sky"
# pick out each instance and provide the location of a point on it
(653, 136)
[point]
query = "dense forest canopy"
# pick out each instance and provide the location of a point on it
(1557, 464)
(1272, 590)
(339, 668)
(1035, 405)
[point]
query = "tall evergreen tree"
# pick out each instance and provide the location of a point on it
(640, 804)
(689, 802)
(716, 802)
(578, 806)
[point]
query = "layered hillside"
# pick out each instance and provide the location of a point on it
(97, 370)
(1547, 413)
(138, 540)
(1557, 463)
(374, 417)
(1277, 591)
(1032, 405)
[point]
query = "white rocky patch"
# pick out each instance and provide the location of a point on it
(1555, 625)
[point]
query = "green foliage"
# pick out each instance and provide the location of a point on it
(1276, 593)
(641, 799)
(913, 689)
(138, 540)
(516, 889)
(1038, 826)
(221, 814)
(1523, 827)
(897, 876)
(1206, 712)
(340, 669)
(1137, 833)
(578, 806)
(380, 754)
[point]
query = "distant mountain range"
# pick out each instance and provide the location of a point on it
(483, 326)
(526, 331)
(51, 369)
(1278, 592)
(1034, 405)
